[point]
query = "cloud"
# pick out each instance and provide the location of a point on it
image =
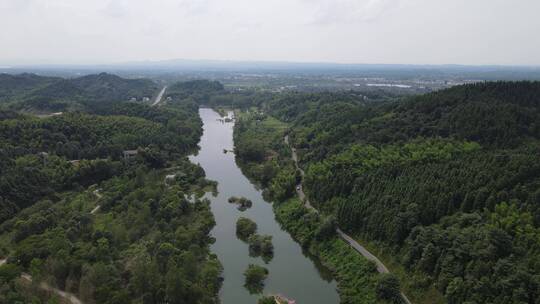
(116, 9)
(368, 31)
(350, 11)
(193, 8)
(16, 6)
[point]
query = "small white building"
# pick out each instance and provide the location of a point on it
(129, 154)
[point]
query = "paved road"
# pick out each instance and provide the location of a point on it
(96, 209)
(381, 268)
(160, 96)
(99, 196)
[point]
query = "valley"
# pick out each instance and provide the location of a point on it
(269, 152)
(355, 200)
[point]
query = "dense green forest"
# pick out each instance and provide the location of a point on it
(264, 157)
(447, 183)
(33, 93)
(214, 94)
(38, 154)
(84, 203)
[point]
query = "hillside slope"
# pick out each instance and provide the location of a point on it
(86, 208)
(37, 93)
(447, 183)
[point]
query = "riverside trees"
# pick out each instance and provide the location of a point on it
(446, 182)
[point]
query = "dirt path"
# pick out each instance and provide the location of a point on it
(381, 268)
(44, 286)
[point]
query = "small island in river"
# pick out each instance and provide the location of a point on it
(242, 202)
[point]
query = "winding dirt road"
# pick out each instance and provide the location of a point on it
(381, 268)
(44, 286)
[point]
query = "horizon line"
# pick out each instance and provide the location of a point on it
(150, 62)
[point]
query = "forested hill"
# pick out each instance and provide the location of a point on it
(13, 85)
(482, 112)
(447, 183)
(37, 93)
(497, 114)
(103, 202)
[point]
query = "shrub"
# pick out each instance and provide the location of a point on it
(255, 276)
(245, 228)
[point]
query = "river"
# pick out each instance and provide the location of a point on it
(291, 272)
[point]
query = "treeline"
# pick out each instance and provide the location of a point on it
(285, 106)
(214, 94)
(356, 276)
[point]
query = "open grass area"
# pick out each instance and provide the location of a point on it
(272, 123)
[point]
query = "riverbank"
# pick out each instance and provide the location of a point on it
(275, 171)
(351, 241)
(418, 293)
(356, 276)
(291, 272)
(150, 241)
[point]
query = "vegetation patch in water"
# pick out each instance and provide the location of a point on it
(261, 245)
(255, 276)
(242, 202)
(245, 228)
(266, 300)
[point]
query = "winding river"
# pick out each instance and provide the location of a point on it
(292, 272)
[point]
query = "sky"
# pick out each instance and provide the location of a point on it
(476, 32)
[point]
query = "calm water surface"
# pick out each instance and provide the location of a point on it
(292, 273)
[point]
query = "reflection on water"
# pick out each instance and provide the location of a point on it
(292, 272)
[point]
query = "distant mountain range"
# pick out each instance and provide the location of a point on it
(488, 72)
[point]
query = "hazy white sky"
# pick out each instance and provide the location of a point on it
(350, 31)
